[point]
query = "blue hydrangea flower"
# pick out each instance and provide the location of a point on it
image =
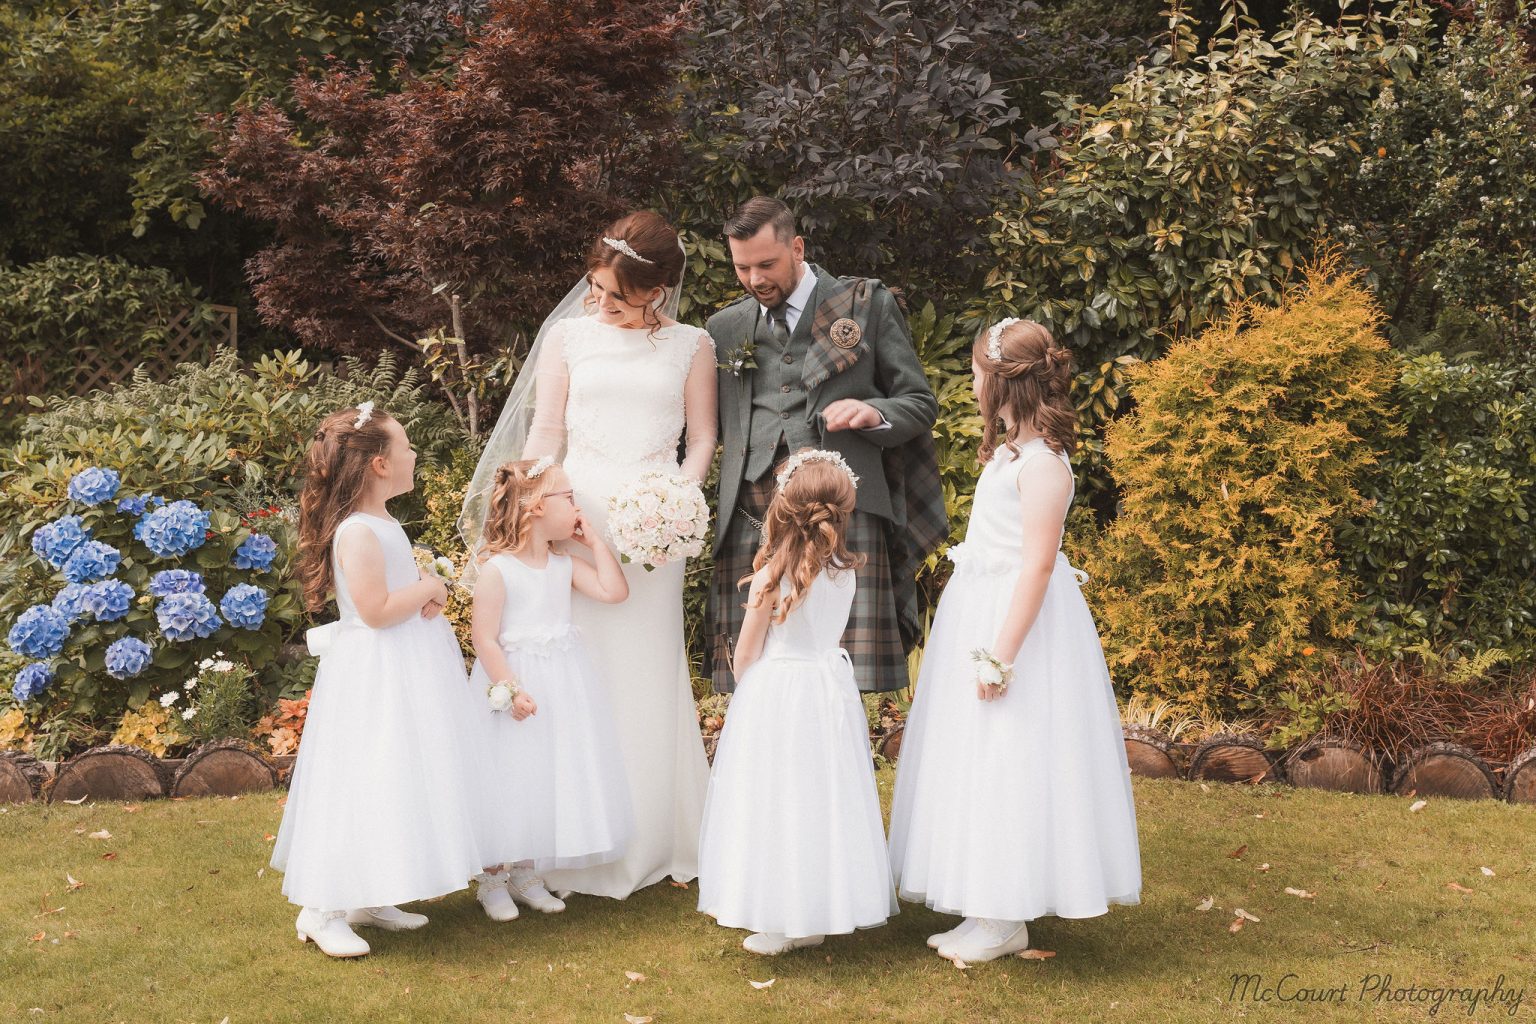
(70, 602)
(245, 606)
(54, 542)
(94, 486)
(256, 552)
(91, 561)
(135, 504)
(127, 657)
(32, 680)
(109, 600)
(187, 617)
(39, 632)
(176, 581)
(173, 530)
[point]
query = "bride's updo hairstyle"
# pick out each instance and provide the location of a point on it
(657, 260)
(515, 501)
(1030, 379)
(805, 530)
(335, 476)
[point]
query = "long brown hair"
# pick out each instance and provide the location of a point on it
(805, 531)
(1032, 381)
(649, 235)
(335, 476)
(514, 501)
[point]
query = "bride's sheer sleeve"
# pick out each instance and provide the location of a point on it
(699, 401)
(546, 434)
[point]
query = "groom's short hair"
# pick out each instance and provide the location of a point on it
(751, 215)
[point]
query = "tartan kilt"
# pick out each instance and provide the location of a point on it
(874, 637)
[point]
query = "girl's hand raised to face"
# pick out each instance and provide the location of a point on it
(583, 532)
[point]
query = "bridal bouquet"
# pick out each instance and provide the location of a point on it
(658, 519)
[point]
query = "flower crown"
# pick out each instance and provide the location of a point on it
(620, 245)
(815, 455)
(537, 469)
(995, 338)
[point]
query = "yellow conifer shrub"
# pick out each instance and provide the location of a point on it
(1219, 581)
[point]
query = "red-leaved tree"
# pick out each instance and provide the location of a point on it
(456, 204)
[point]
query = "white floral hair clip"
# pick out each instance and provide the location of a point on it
(815, 455)
(364, 414)
(620, 245)
(995, 338)
(537, 469)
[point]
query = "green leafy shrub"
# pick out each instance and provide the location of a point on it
(1240, 461)
(1446, 554)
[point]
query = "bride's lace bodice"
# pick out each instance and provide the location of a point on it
(623, 397)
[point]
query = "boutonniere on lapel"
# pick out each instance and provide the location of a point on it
(740, 359)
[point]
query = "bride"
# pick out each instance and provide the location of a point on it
(613, 382)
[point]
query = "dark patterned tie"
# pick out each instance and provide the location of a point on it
(778, 322)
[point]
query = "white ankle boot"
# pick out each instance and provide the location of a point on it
(772, 943)
(528, 889)
(328, 930)
(935, 941)
(391, 919)
(988, 940)
(491, 891)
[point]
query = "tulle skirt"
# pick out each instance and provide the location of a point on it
(380, 808)
(553, 786)
(1019, 807)
(792, 840)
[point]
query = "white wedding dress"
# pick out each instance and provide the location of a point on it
(618, 400)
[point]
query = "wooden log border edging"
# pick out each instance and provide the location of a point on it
(1447, 770)
(21, 777)
(226, 767)
(113, 772)
(1334, 763)
(1229, 757)
(1520, 780)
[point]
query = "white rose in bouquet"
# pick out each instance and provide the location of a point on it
(658, 519)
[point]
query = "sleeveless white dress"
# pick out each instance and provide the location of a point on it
(1019, 807)
(553, 783)
(624, 416)
(381, 808)
(792, 839)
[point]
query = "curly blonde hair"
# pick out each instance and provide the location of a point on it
(515, 499)
(805, 531)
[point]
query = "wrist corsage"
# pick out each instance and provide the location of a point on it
(990, 670)
(501, 695)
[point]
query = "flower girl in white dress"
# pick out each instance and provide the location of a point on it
(552, 776)
(380, 810)
(1013, 796)
(792, 845)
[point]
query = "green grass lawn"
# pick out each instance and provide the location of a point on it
(184, 924)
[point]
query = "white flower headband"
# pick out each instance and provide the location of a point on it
(537, 469)
(815, 455)
(995, 338)
(364, 414)
(620, 245)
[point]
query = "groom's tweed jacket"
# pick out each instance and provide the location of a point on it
(897, 467)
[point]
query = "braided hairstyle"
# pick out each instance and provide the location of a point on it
(335, 477)
(805, 531)
(1032, 381)
(515, 499)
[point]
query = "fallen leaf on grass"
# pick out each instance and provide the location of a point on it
(44, 911)
(1300, 893)
(134, 809)
(39, 937)
(961, 965)
(269, 837)
(1417, 806)
(103, 834)
(260, 872)
(109, 856)
(762, 984)
(1240, 912)
(1488, 872)
(634, 975)
(1238, 853)
(630, 1018)
(74, 883)
(1206, 904)
(1262, 867)
(71, 935)
(1036, 954)
(78, 802)
(679, 885)
(1457, 886)
(1236, 926)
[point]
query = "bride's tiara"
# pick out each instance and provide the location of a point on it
(620, 245)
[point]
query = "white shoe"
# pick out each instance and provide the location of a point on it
(935, 941)
(391, 919)
(527, 888)
(989, 940)
(772, 943)
(328, 930)
(493, 896)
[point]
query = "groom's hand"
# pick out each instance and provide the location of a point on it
(851, 414)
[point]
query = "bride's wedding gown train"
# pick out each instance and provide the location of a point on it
(619, 399)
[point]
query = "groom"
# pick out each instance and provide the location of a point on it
(812, 360)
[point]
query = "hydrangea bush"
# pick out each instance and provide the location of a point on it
(133, 589)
